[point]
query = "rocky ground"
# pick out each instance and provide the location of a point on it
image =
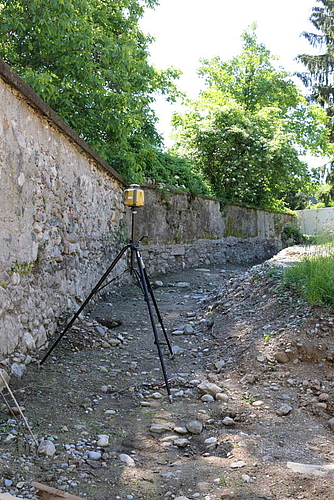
(252, 385)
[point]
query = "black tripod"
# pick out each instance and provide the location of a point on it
(146, 288)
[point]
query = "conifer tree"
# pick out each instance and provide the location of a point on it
(320, 68)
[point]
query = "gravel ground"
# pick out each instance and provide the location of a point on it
(252, 385)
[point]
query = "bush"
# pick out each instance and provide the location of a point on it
(291, 235)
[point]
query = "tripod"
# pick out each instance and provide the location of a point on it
(146, 288)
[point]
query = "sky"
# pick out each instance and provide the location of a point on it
(188, 30)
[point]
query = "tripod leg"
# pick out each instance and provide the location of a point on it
(158, 312)
(83, 305)
(147, 299)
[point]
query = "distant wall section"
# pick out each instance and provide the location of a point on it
(184, 231)
(315, 221)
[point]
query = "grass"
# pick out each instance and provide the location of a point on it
(313, 277)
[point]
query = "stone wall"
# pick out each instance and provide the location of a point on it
(184, 231)
(170, 217)
(62, 222)
(60, 218)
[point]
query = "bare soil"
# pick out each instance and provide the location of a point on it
(264, 346)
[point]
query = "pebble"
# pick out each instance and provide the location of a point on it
(127, 460)
(156, 395)
(181, 442)
(285, 409)
(177, 351)
(246, 478)
(207, 398)
(47, 448)
(238, 464)
(331, 423)
(209, 388)
(103, 440)
(211, 440)
(180, 430)
(194, 382)
(281, 357)
(159, 429)
(221, 396)
(194, 427)
(188, 329)
(110, 412)
(94, 455)
(220, 364)
(203, 486)
(228, 421)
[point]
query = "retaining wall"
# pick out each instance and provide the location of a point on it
(62, 222)
(60, 216)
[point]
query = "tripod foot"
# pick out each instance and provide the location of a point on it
(170, 397)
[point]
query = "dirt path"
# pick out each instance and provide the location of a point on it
(252, 392)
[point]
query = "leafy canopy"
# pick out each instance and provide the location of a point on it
(88, 60)
(249, 127)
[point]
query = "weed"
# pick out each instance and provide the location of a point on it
(223, 480)
(22, 268)
(250, 398)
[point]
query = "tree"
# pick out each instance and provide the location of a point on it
(249, 127)
(320, 68)
(88, 60)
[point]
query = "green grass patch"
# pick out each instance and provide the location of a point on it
(313, 277)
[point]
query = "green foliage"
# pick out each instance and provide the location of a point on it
(313, 277)
(325, 194)
(88, 60)
(291, 235)
(177, 173)
(22, 268)
(249, 127)
(319, 74)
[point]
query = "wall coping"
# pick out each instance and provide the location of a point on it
(15, 81)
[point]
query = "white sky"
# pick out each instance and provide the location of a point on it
(187, 30)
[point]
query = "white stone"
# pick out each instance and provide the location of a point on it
(194, 427)
(180, 430)
(103, 440)
(238, 464)
(228, 421)
(94, 455)
(156, 395)
(310, 469)
(221, 396)
(209, 388)
(159, 429)
(29, 341)
(47, 448)
(127, 460)
(211, 440)
(181, 442)
(207, 398)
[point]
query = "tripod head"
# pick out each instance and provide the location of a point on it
(133, 197)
